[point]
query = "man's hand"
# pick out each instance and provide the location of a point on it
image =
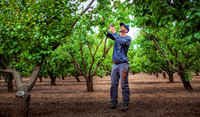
(112, 29)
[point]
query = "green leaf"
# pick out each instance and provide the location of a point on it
(15, 43)
(198, 13)
(188, 24)
(197, 35)
(189, 37)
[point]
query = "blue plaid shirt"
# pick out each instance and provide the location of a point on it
(121, 47)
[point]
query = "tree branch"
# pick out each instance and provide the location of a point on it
(192, 61)
(90, 49)
(84, 65)
(99, 62)
(173, 67)
(28, 87)
(3, 63)
(76, 65)
(33, 79)
(6, 70)
(93, 55)
(89, 5)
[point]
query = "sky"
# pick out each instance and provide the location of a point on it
(133, 30)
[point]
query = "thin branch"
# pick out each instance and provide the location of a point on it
(89, 5)
(76, 65)
(90, 49)
(105, 44)
(192, 61)
(189, 56)
(6, 70)
(93, 55)
(98, 46)
(3, 63)
(84, 65)
(173, 67)
(99, 62)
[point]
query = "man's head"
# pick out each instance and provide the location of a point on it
(123, 28)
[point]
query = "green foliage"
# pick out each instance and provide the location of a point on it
(32, 30)
(174, 25)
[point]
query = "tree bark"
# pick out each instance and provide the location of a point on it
(164, 74)
(53, 80)
(21, 104)
(77, 78)
(171, 76)
(154, 73)
(40, 77)
(9, 80)
(89, 84)
(63, 77)
(186, 84)
(10, 83)
(157, 75)
(197, 74)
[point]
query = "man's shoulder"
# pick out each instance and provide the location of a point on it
(128, 37)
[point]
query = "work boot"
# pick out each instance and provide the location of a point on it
(124, 107)
(112, 106)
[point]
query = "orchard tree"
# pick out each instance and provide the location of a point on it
(32, 30)
(180, 19)
(86, 46)
(153, 55)
(87, 52)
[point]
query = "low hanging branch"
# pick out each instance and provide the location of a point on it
(17, 77)
(173, 67)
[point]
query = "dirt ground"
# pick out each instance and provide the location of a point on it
(150, 97)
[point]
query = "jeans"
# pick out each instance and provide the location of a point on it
(116, 74)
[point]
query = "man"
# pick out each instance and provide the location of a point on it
(121, 66)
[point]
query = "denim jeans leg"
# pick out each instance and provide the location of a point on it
(114, 85)
(125, 84)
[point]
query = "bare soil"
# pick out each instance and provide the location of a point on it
(150, 97)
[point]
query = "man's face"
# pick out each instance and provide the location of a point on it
(123, 29)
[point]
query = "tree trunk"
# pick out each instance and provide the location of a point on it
(77, 78)
(171, 76)
(186, 83)
(53, 80)
(21, 104)
(40, 77)
(89, 84)
(157, 74)
(197, 74)
(10, 83)
(63, 77)
(164, 75)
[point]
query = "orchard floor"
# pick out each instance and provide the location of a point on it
(150, 97)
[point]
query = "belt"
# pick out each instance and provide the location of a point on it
(120, 63)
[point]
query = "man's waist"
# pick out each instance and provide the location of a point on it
(121, 62)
